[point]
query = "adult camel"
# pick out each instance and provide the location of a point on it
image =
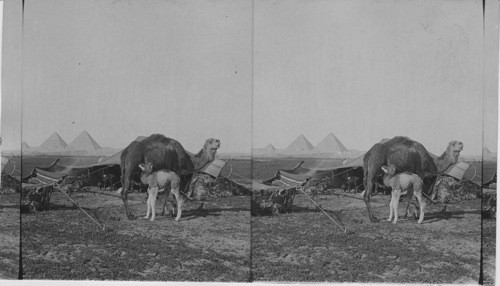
(162, 153)
(406, 155)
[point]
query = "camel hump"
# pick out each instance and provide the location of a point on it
(398, 140)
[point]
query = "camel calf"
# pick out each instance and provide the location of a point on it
(403, 182)
(161, 179)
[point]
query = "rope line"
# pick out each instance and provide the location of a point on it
(230, 172)
(344, 229)
(56, 187)
(340, 173)
(89, 173)
(61, 191)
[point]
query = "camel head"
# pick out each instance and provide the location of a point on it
(209, 149)
(206, 154)
(453, 150)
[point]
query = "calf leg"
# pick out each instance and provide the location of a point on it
(179, 200)
(421, 202)
(396, 196)
(391, 207)
(154, 193)
(148, 203)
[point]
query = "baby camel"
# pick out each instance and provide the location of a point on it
(403, 182)
(161, 179)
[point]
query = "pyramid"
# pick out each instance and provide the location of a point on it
(300, 144)
(54, 142)
(488, 154)
(25, 145)
(269, 147)
(84, 142)
(331, 144)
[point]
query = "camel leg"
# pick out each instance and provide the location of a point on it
(173, 206)
(368, 191)
(124, 195)
(167, 202)
(154, 193)
(421, 202)
(396, 196)
(179, 200)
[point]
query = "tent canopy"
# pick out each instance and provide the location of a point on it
(55, 172)
(302, 172)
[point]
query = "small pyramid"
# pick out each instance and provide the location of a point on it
(84, 142)
(488, 154)
(25, 145)
(300, 144)
(331, 144)
(270, 147)
(54, 142)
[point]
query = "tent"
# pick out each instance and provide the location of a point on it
(477, 172)
(12, 167)
(55, 172)
(330, 171)
(94, 172)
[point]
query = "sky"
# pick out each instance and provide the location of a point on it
(251, 72)
(120, 69)
(365, 70)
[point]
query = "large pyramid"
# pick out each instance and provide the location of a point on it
(84, 142)
(487, 153)
(331, 144)
(301, 144)
(54, 142)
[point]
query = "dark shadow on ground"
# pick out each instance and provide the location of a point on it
(446, 215)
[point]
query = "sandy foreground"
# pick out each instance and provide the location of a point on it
(306, 246)
(225, 244)
(9, 236)
(64, 243)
